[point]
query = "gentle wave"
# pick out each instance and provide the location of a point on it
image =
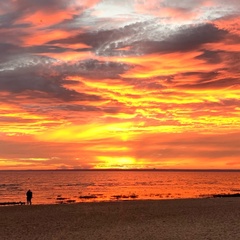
(51, 187)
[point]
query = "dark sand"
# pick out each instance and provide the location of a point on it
(193, 219)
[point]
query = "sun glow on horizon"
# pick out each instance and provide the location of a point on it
(106, 162)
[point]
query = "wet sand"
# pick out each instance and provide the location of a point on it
(165, 219)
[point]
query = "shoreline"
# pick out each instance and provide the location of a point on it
(64, 201)
(20, 203)
(199, 218)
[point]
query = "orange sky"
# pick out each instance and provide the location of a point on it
(141, 84)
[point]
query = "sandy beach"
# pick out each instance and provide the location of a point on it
(165, 219)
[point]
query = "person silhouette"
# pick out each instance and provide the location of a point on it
(29, 197)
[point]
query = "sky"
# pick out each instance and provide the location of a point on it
(119, 84)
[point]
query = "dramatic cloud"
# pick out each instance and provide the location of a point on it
(101, 83)
(33, 75)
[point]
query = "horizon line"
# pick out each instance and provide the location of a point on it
(132, 169)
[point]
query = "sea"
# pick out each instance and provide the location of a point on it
(73, 186)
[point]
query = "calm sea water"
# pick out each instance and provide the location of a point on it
(51, 187)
